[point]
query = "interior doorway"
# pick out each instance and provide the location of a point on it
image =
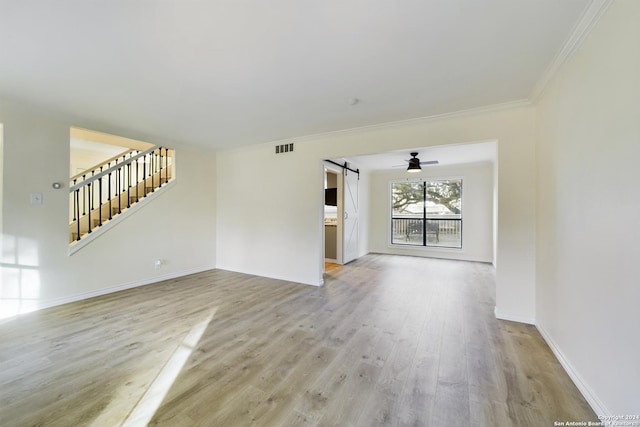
(340, 214)
(332, 219)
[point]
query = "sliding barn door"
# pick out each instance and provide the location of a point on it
(350, 224)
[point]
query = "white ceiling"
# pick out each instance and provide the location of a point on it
(225, 73)
(446, 155)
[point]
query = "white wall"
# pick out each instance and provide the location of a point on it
(477, 205)
(178, 227)
(588, 257)
(270, 208)
(270, 213)
(85, 155)
(364, 219)
(1, 173)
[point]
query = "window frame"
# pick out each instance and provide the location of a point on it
(424, 181)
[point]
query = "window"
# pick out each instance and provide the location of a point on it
(427, 213)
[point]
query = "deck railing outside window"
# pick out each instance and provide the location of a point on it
(440, 232)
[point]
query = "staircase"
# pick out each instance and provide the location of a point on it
(110, 189)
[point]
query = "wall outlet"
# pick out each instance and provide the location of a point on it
(157, 264)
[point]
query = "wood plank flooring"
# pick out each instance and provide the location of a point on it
(388, 341)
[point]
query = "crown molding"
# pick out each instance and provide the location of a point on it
(590, 16)
(399, 123)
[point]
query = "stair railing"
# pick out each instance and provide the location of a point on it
(129, 176)
(106, 164)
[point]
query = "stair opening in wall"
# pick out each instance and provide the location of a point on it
(110, 177)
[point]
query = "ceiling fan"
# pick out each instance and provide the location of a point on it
(415, 163)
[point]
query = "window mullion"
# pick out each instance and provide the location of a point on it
(424, 213)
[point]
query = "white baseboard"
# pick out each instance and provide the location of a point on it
(269, 275)
(513, 317)
(86, 295)
(591, 398)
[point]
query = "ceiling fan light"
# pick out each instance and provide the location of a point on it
(414, 166)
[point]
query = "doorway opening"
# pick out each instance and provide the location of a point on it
(332, 219)
(340, 214)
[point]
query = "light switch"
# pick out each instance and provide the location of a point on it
(36, 198)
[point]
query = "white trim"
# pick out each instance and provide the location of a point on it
(513, 317)
(86, 295)
(591, 398)
(262, 274)
(427, 119)
(590, 16)
(440, 253)
(339, 172)
(400, 123)
(419, 249)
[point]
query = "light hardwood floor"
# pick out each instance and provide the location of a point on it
(388, 340)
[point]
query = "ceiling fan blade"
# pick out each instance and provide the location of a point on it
(428, 162)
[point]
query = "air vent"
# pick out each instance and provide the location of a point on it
(284, 148)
